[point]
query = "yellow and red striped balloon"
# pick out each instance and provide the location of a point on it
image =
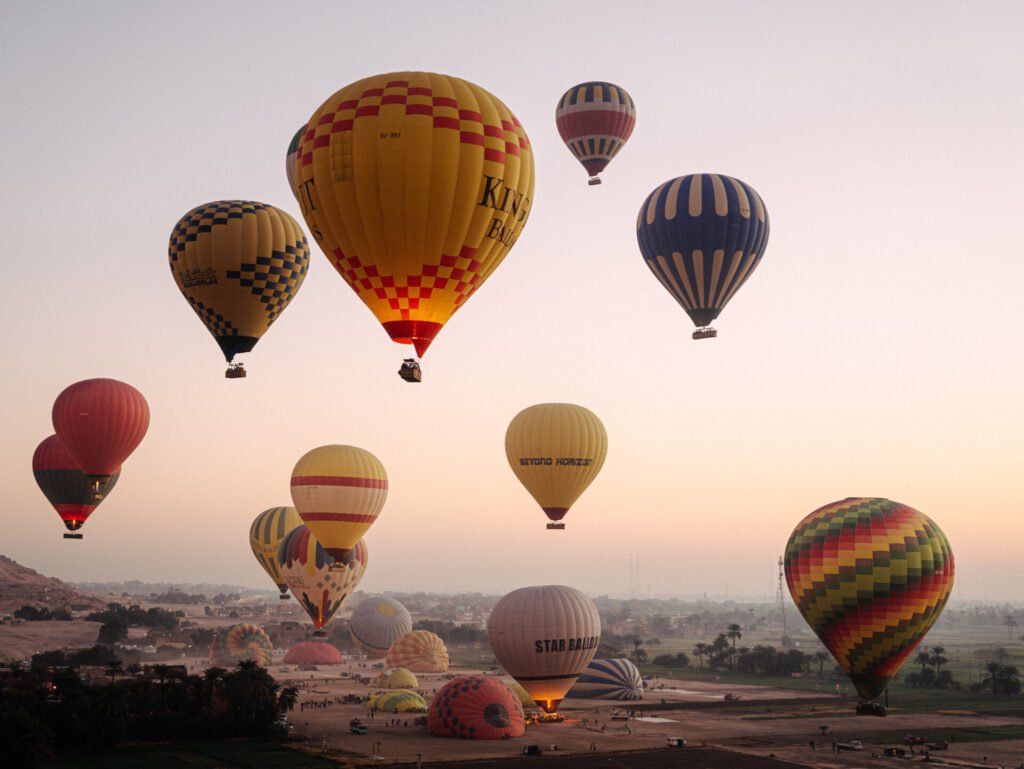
(870, 576)
(339, 492)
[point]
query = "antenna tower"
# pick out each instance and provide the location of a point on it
(780, 598)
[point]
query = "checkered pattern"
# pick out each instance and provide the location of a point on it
(870, 576)
(460, 273)
(219, 325)
(275, 278)
(476, 707)
(204, 219)
(306, 569)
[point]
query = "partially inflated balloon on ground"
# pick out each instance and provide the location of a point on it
(398, 701)
(420, 651)
(545, 636)
(415, 185)
(266, 533)
(240, 643)
(100, 422)
(478, 708)
(400, 678)
(339, 491)
(871, 577)
(377, 623)
(609, 679)
(312, 577)
(64, 484)
(313, 653)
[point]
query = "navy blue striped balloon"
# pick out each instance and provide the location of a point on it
(702, 236)
(609, 679)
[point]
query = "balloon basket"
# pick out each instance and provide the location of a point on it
(76, 535)
(556, 525)
(593, 180)
(705, 333)
(320, 634)
(235, 371)
(871, 709)
(283, 597)
(411, 371)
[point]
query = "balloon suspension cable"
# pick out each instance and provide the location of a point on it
(705, 332)
(594, 180)
(410, 370)
(235, 371)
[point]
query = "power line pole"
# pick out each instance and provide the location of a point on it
(780, 598)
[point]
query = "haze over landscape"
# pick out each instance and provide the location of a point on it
(874, 353)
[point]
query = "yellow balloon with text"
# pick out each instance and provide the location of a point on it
(556, 450)
(415, 185)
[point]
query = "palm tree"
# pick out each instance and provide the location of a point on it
(938, 660)
(1002, 678)
(700, 650)
(924, 659)
(114, 668)
(822, 658)
(734, 633)
(1010, 623)
(288, 699)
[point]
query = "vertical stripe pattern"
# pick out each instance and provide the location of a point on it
(595, 120)
(702, 236)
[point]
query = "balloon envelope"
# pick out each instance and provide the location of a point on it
(339, 491)
(100, 422)
(609, 679)
(239, 643)
(545, 636)
(265, 536)
(556, 450)
(702, 236)
(238, 263)
(420, 651)
(398, 701)
(595, 120)
(476, 707)
(870, 576)
(415, 185)
(308, 571)
(377, 623)
(64, 484)
(291, 158)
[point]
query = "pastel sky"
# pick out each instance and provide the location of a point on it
(877, 351)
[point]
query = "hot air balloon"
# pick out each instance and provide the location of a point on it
(265, 535)
(870, 576)
(291, 157)
(594, 120)
(65, 485)
(556, 450)
(313, 653)
(420, 651)
(339, 491)
(545, 636)
(239, 643)
(398, 701)
(609, 679)
(307, 570)
(415, 185)
(476, 707)
(702, 236)
(238, 263)
(100, 422)
(377, 623)
(399, 678)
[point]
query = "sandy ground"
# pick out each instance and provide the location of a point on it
(766, 723)
(19, 641)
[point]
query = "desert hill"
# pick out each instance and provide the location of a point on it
(20, 585)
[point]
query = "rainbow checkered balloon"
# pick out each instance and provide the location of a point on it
(870, 576)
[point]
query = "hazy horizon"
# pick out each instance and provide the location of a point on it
(875, 352)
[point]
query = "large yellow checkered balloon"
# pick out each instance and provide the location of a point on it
(415, 185)
(238, 263)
